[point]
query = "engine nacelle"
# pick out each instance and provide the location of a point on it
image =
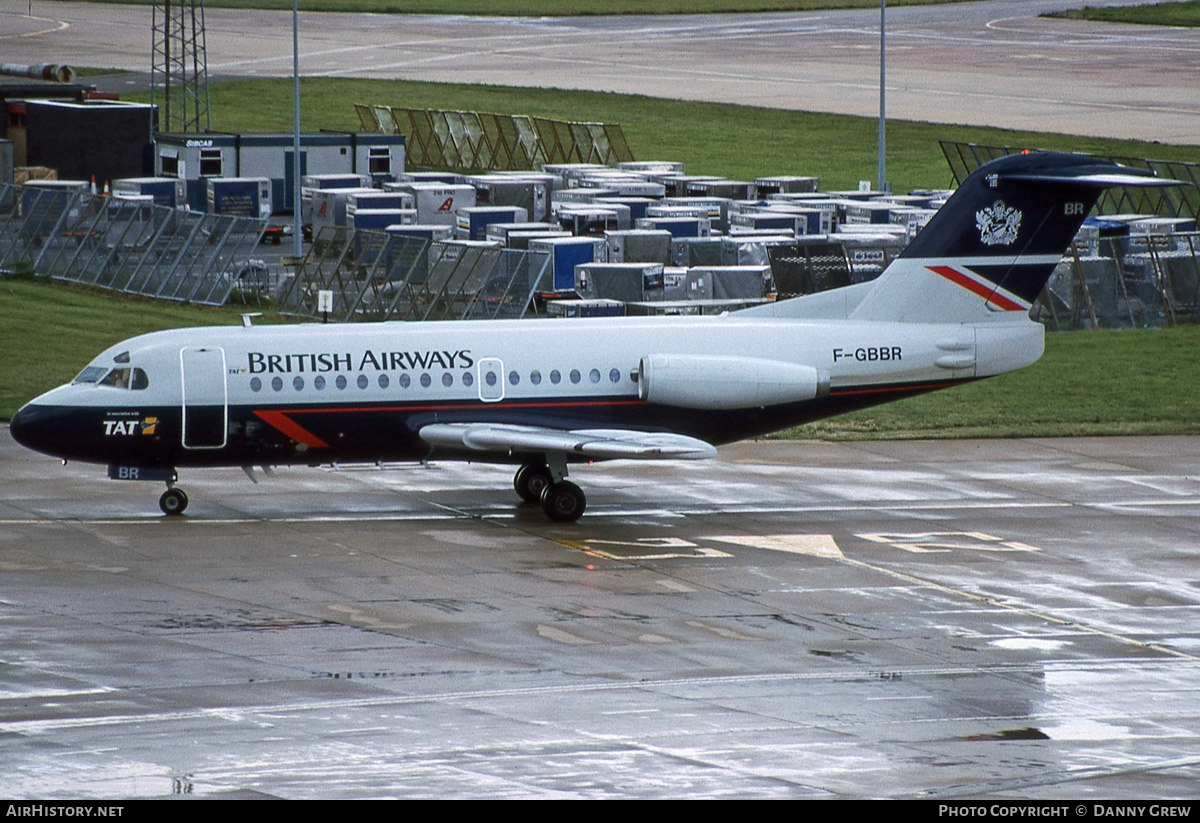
(714, 382)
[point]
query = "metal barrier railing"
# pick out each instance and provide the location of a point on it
(1139, 281)
(379, 276)
(496, 142)
(1169, 201)
(130, 245)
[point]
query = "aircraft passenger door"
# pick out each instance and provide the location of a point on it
(491, 379)
(205, 400)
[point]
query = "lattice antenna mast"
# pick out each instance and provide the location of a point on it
(179, 73)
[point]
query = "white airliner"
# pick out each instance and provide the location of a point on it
(954, 307)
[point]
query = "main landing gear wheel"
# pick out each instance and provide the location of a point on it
(563, 502)
(531, 481)
(173, 502)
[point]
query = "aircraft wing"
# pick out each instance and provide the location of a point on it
(593, 443)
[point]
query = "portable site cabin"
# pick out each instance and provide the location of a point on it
(196, 158)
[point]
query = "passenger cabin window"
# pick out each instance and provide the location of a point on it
(135, 379)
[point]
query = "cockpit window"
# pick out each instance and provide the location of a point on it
(90, 375)
(135, 379)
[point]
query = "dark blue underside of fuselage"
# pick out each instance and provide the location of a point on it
(313, 434)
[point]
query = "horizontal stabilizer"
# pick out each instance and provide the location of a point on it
(1099, 180)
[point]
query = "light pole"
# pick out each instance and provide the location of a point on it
(882, 90)
(296, 228)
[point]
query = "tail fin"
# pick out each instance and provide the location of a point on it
(991, 248)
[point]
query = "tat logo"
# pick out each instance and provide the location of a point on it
(997, 224)
(447, 206)
(117, 428)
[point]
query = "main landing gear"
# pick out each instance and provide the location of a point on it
(545, 484)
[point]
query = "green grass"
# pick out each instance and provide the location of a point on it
(1158, 14)
(550, 8)
(53, 329)
(738, 141)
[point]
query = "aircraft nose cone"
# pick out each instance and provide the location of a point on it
(28, 427)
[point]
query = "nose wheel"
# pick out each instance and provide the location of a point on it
(173, 502)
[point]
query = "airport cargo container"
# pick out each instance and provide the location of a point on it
(376, 199)
(472, 222)
(166, 191)
(585, 308)
(566, 253)
(627, 282)
(764, 186)
(639, 246)
(380, 219)
(327, 208)
(239, 196)
(678, 226)
(529, 193)
(439, 202)
(501, 231)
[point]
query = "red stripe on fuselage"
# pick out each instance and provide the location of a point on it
(279, 419)
(988, 293)
(896, 387)
(291, 428)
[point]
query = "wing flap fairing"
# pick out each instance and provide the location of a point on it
(591, 443)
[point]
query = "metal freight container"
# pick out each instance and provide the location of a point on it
(627, 282)
(166, 191)
(585, 308)
(327, 208)
(639, 246)
(764, 186)
(529, 193)
(240, 196)
(565, 254)
(472, 222)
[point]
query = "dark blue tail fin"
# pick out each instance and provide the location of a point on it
(991, 248)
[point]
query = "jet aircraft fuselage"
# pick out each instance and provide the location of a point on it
(544, 394)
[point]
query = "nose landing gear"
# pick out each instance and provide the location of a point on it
(173, 501)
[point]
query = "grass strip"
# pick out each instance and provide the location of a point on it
(1159, 14)
(741, 142)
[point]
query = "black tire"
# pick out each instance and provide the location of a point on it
(173, 502)
(563, 502)
(531, 481)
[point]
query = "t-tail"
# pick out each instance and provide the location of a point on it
(990, 249)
